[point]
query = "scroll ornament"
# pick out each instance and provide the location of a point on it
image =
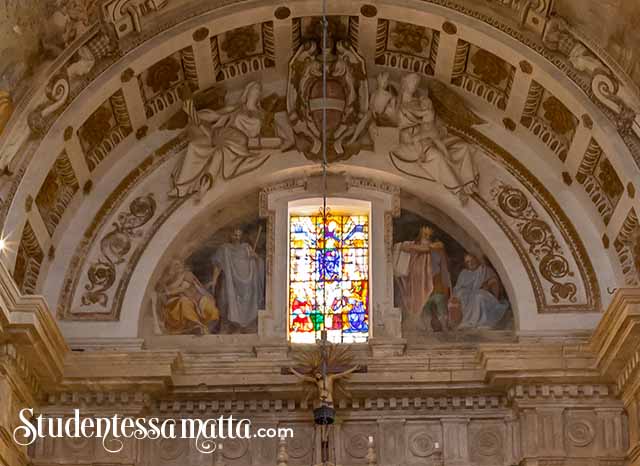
(540, 240)
(114, 247)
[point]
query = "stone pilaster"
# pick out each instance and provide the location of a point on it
(616, 342)
(456, 448)
(31, 361)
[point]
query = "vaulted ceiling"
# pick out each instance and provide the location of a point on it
(93, 127)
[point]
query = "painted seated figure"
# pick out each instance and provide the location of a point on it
(185, 306)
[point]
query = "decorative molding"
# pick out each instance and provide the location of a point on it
(107, 210)
(115, 246)
(627, 246)
(542, 246)
(551, 206)
(28, 261)
(127, 16)
(600, 181)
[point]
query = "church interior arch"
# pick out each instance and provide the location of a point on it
(152, 153)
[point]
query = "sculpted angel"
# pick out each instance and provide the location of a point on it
(224, 143)
(423, 140)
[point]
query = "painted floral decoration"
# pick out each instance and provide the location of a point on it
(163, 74)
(241, 42)
(489, 68)
(410, 37)
(558, 115)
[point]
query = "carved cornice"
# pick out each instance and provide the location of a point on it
(27, 324)
(616, 341)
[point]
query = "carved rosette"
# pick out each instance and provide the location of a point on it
(580, 432)
(358, 445)
(421, 444)
(487, 443)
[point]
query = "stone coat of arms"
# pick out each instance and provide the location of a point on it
(346, 102)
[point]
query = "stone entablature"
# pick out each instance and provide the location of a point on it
(568, 412)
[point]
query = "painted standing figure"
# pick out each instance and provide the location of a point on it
(424, 284)
(242, 272)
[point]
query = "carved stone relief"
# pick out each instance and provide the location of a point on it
(346, 84)
(125, 17)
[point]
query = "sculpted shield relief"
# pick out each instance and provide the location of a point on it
(219, 288)
(446, 291)
(347, 97)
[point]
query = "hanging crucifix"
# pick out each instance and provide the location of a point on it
(324, 370)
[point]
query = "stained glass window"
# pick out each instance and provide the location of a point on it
(329, 278)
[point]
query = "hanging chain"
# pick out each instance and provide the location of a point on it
(325, 163)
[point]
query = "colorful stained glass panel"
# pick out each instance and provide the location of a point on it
(328, 278)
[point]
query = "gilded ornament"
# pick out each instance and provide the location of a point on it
(566, 177)
(490, 68)
(631, 190)
(587, 121)
(162, 75)
(324, 373)
(605, 241)
(558, 115)
(241, 42)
